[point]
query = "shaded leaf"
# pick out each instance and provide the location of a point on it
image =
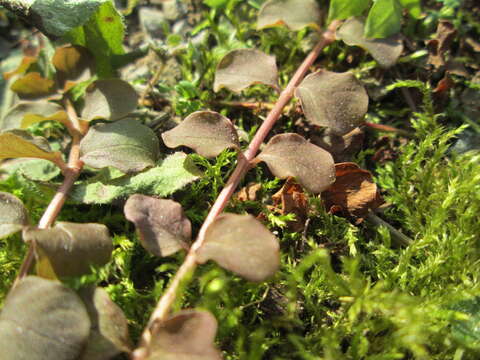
(341, 9)
(32, 85)
(73, 64)
(291, 155)
(32, 169)
(354, 193)
(413, 6)
(163, 227)
(170, 175)
(241, 244)
(295, 14)
(71, 248)
(335, 100)
(27, 113)
(187, 335)
(42, 319)
(384, 19)
(291, 199)
(244, 67)
(206, 132)
(342, 148)
(13, 215)
(440, 45)
(466, 331)
(385, 51)
(109, 99)
(109, 329)
(125, 144)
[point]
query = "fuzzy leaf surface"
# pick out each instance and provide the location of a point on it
(69, 249)
(384, 19)
(42, 319)
(170, 175)
(125, 144)
(26, 113)
(241, 68)
(385, 51)
(291, 155)
(335, 100)
(206, 132)
(109, 99)
(13, 215)
(295, 14)
(163, 227)
(109, 329)
(243, 245)
(187, 335)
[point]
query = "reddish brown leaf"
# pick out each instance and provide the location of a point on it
(441, 44)
(354, 193)
(291, 199)
(249, 192)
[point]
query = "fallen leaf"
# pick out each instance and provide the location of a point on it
(163, 227)
(291, 155)
(206, 132)
(295, 14)
(13, 215)
(438, 46)
(241, 244)
(354, 193)
(249, 192)
(241, 68)
(291, 199)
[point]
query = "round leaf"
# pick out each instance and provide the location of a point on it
(206, 132)
(335, 100)
(109, 99)
(161, 223)
(42, 319)
(295, 14)
(70, 249)
(13, 215)
(241, 244)
(291, 155)
(244, 67)
(126, 145)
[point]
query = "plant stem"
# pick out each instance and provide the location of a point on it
(162, 309)
(398, 237)
(74, 167)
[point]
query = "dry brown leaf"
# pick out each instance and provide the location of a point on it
(249, 192)
(291, 199)
(441, 44)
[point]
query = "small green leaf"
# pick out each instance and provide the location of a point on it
(125, 144)
(341, 9)
(241, 68)
(242, 244)
(384, 19)
(109, 99)
(187, 335)
(291, 155)
(413, 6)
(170, 175)
(13, 215)
(28, 112)
(163, 227)
(295, 14)
(70, 249)
(32, 86)
(206, 132)
(42, 319)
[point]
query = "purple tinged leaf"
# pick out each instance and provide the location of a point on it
(70, 249)
(385, 51)
(109, 329)
(42, 319)
(162, 225)
(187, 335)
(125, 144)
(295, 14)
(291, 155)
(335, 100)
(243, 245)
(244, 67)
(206, 132)
(109, 99)
(13, 215)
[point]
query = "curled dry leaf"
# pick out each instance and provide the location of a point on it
(291, 155)
(249, 192)
(26, 113)
(335, 100)
(438, 46)
(125, 144)
(73, 63)
(385, 51)
(109, 329)
(42, 319)
(354, 193)
(187, 335)
(241, 244)
(70, 249)
(244, 67)
(109, 99)
(163, 227)
(291, 199)
(206, 132)
(13, 215)
(295, 14)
